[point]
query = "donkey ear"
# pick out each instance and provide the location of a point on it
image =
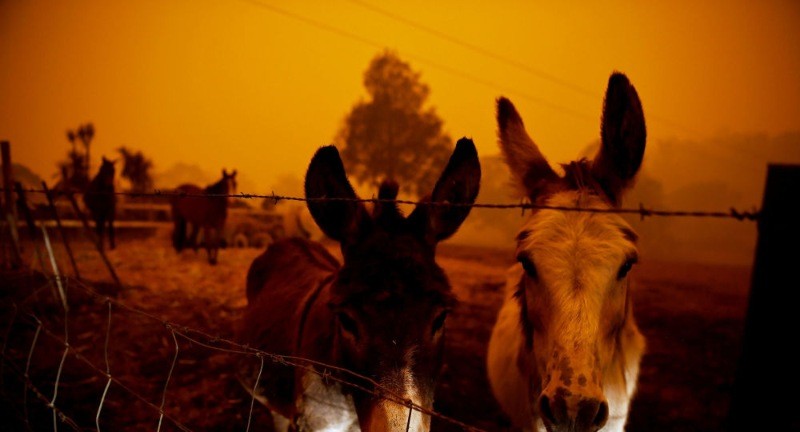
(233, 173)
(623, 134)
(224, 172)
(459, 184)
(326, 178)
(529, 169)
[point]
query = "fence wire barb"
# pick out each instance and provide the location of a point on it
(642, 211)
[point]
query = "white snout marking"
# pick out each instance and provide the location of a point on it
(401, 416)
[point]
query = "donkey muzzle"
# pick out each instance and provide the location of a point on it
(564, 411)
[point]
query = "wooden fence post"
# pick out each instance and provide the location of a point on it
(9, 208)
(8, 178)
(767, 379)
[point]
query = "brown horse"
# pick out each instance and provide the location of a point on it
(206, 212)
(380, 314)
(99, 198)
(565, 351)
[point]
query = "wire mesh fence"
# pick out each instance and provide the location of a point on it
(58, 332)
(50, 311)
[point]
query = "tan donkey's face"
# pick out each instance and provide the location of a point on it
(573, 266)
(573, 289)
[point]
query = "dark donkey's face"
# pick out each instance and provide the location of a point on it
(390, 298)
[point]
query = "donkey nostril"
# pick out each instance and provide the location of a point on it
(602, 415)
(546, 412)
(553, 411)
(592, 414)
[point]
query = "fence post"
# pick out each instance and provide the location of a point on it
(764, 394)
(8, 177)
(9, 210)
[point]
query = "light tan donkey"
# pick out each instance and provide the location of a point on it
(565, 350)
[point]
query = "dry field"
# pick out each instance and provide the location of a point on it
(692, 315)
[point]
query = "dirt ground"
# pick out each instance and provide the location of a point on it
(691, 314)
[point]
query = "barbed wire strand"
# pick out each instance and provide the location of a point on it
(642, 210)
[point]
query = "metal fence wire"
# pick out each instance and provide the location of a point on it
(26, 315)
(23, 313)
(643, 211)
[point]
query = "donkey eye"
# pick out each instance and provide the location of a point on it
(438, 322)
(348, 324)
(623, 271)
(528, 265)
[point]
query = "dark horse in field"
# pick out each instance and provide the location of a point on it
(206, 212)
(99, 198)
(380, 314)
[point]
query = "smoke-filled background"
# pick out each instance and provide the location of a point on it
(257, 86)
(181, 91)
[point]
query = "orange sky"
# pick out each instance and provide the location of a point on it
(236, 83)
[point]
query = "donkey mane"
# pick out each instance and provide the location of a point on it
(578, 177)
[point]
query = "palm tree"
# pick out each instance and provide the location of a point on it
(137, 170)
(71, 137)
(86, 133)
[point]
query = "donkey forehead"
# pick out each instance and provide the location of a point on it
(381, 278)
(576, 235)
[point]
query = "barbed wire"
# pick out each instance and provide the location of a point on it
(642, 210)
(59, 284)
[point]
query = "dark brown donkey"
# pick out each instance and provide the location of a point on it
(380, 314)
(101, 201)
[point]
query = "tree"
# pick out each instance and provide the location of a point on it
(136, 168)
(86, 134)
(392, 134)
(74, 172)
